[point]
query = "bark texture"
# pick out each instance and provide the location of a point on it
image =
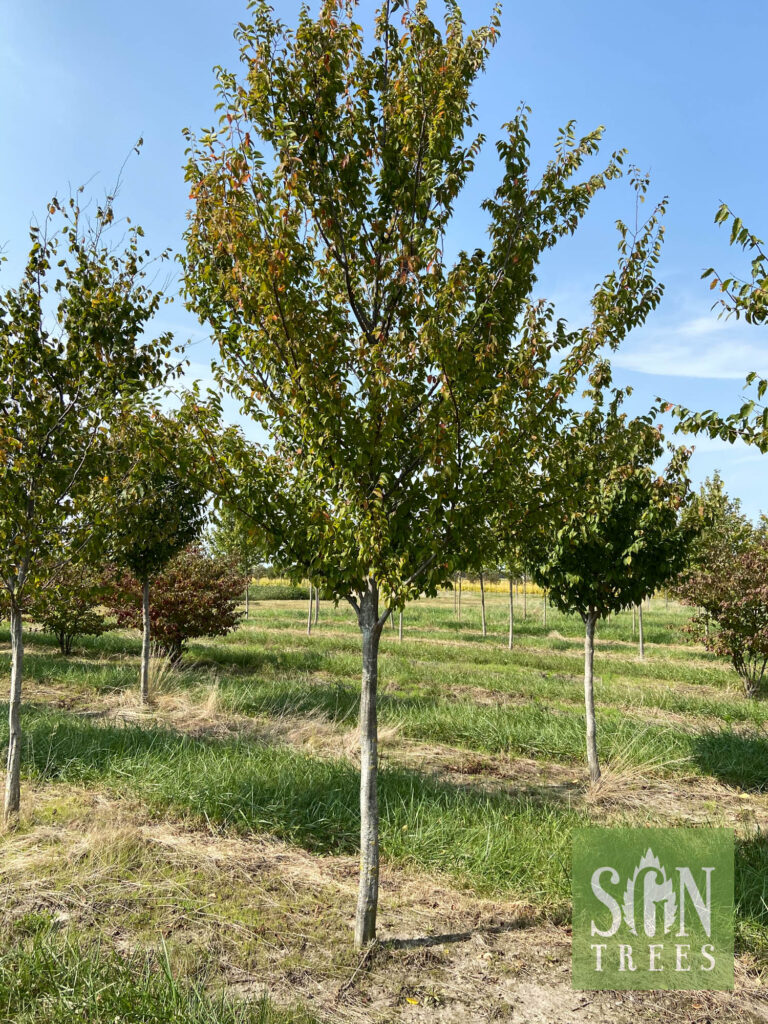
(13, 773)
(145, 642)
(482, 603)
(589, 696)
(368, 892)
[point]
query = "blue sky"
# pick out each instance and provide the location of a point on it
(680, 84)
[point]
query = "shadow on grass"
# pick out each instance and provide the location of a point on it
(734, 758)
(496, 843)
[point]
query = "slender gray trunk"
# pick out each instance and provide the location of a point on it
(525, 596)
(145, 641)
(459, 597)
(368, 892)
(511, 613)
(482, 603)
(247, 602)
(310, 609)
(640, 629)
(589, 696)
(13, 774)
(317, 605)
(400, 626)
(633, 622)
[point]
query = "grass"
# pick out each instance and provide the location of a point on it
(492, 843)
(47, 980)
(678, 716)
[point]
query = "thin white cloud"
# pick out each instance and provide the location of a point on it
(702, 348)
(704, 325)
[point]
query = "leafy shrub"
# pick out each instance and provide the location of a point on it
(732, 595)
(69, 606)
(195, 595)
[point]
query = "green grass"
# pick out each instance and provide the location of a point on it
(678, 712)
(49, 980)
(492, 843)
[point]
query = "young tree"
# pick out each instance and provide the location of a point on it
(730, 594)
(394, 384)
(235, 538)
(618, 532)
(69, 603)
(151, 511)
(195, 594)
(74, 351)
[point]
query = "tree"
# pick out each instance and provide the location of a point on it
(195, 594)
(720, 525)
(74, 351)
(234, 537)
(618, 533)
(68, 605)
(395, 386)
(730, 593)
(152, 509)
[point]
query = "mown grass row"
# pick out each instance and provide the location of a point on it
(553, 732)
(494, 844)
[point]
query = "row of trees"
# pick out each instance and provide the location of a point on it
(420, 410)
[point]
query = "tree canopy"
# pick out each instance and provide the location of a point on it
(398, 386)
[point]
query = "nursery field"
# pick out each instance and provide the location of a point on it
(197, 862)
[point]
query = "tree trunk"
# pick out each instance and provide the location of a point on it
(145, 640)
(525, 596)
(511, 613)
(482, 604)
(317, 605)
(545, 611)
(400, 627)
(633, 622)
(589, 696)
(459, 597)
(311, 609)
(368, 892)
(640, 629)
(247, 603)
(13, 774)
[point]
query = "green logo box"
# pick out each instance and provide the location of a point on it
(653, 909)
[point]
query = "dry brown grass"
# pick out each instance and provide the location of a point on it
(255, 909)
